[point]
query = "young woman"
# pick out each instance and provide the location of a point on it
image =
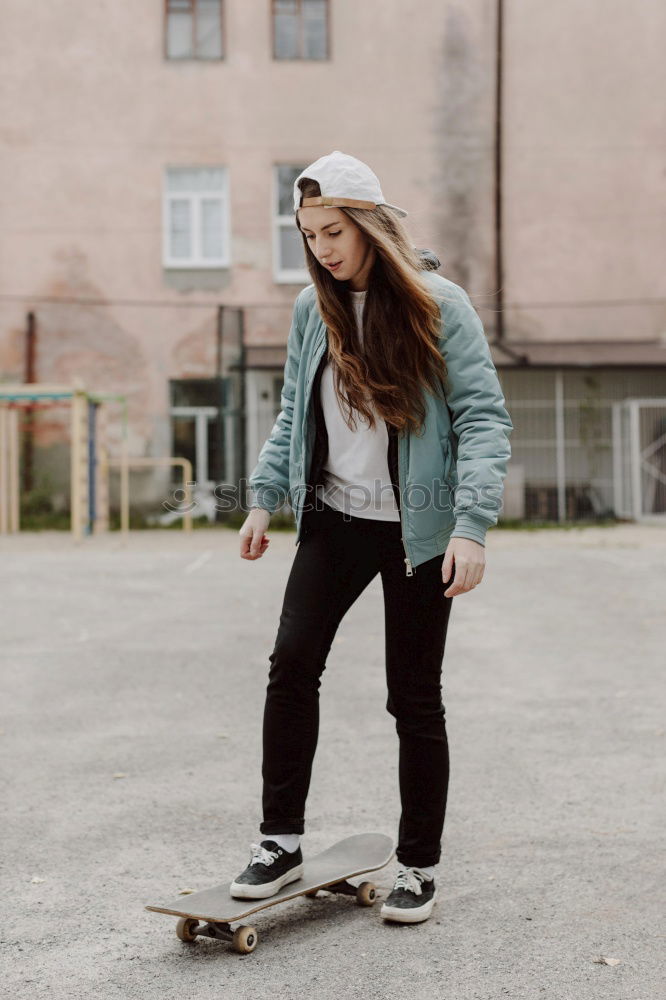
(391, 447)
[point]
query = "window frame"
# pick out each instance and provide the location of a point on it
(283, 276)
(300, 57)
(195, 56)
(195, 262)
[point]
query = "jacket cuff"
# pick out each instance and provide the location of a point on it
(471, 526)
(267, 498)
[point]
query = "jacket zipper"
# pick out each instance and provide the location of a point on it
(409, 569)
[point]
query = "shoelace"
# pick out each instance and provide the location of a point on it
(261, 855)
(411, 879)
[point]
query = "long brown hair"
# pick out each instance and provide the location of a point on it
(399, 356)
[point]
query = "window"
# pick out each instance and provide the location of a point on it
(197, 433)
(290, 265)
(300, 29)
(193, 29)
(196, 217)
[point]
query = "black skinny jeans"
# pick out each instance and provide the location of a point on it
(336, 559)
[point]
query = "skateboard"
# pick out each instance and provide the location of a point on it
(211, 912)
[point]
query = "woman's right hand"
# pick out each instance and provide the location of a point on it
(253, 538)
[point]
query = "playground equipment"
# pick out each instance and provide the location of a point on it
(124, 464)
(88, 493)
(9, 471)
(89, 457)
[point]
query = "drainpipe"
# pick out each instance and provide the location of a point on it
(242, 421)
(499, 259)
(219, 472)
(29, 417)
(499, 340)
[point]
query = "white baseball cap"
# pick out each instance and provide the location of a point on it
(344, 181)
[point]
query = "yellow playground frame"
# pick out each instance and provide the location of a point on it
(89, 462)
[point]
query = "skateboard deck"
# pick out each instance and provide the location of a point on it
(329, 870)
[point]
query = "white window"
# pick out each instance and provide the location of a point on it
(196, 223)
(193, 29)
(300, 29)
(288, 253)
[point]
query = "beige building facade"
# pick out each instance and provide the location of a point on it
(147, 156)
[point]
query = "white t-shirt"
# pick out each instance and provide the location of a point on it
(356, 473)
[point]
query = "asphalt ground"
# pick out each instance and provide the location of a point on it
(133, 679)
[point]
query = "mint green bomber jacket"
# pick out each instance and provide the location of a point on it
(450, 476)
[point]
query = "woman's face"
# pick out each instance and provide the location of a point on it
(334, 239)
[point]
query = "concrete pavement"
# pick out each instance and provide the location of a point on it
(133, 678)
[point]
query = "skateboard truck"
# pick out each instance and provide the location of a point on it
(243, 939)
(366, 892)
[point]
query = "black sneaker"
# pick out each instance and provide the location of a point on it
(269, 869)
(411, 899)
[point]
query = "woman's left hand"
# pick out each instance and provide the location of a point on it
(468, 558)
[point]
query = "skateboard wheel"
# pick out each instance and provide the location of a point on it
(366, 894)
(312, 893)
(244, 940)
(185, 928)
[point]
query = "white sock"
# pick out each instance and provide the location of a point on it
(429, 872)
(288, 841)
